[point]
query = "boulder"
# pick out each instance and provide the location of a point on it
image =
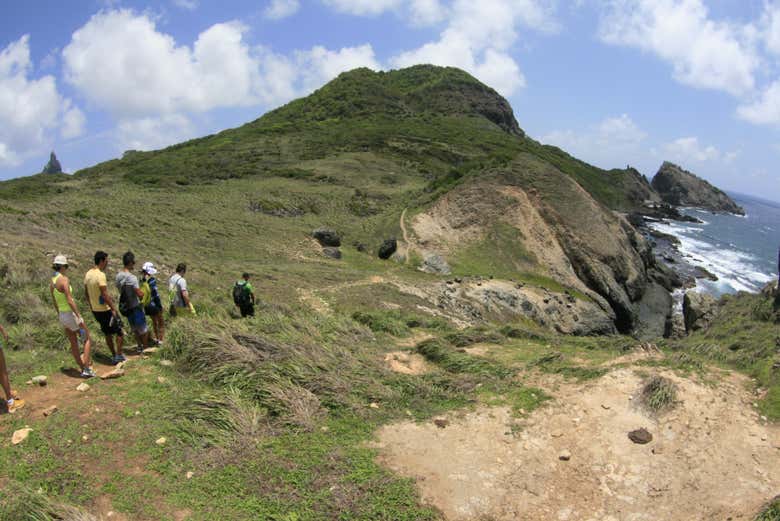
(53, 166)
(640, 436)
(434, 263)
(333, 253)
(327, 237)
(20, 435)
(388, 247)
(39, 380)
(698, 310)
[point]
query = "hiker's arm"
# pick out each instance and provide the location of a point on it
(139, 292)
(185, 296)
(5, 335)
(107, 298)
(71, 302)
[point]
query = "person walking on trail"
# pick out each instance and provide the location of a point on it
(130, 296)
(12, 401)
(244, 296)
(65, 305)
(102, 306)
(152, 304)
(179, 295)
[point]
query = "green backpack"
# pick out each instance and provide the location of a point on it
(147, 298)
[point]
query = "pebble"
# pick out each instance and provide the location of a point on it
(39, 380)
(162, 380)
(150, 350)
(556, 434)
(190, 474)
(85, 438)
(441, 422)
(161, 441)
(19, 436)
(83, 387)
(564, 455)
(605, 406)
(640, 436)
(48, 411)
(373, 405)
(166, 363)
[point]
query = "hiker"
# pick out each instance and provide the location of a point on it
(102, 306)
(65, 305)
(152, 303)
(12, 401)
(179, 295)
(244, 296)
(130, 295)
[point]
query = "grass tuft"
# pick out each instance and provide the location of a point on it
(658, 394)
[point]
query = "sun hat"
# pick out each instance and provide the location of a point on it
(149, 268)
(60, 260)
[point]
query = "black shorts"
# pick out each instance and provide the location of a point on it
(104, 319)
(152, 310)
(247, 310)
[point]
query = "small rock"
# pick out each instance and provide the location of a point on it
(137, 413)
(161, 441)
(640, 436)
(564, 455)
(325, 428)
(190, 474)
(331, 252)
(150, 350)
(440, 422)
(764, 419)
(39, 380)
(19, 436)
(605, 406)
(110, 513)
(166, 363)
(48, 411)
(162, 380)
(373, 405)
(556, 434)
(116, 373)
(763, 437)
(83, 387)
(85, 438)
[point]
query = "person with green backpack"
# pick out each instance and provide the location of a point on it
(130, 295)
(151, 300)
(244, 296)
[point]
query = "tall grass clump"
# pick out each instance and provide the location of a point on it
(20, 503)
(453, 360)
(771, 512)
(658, 394)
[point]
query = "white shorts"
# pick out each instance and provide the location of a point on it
(69, 321)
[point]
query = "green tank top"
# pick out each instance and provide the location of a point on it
(59, 297)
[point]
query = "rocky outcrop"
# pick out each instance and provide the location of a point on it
(698, 310)
(53, 166)
(327, 237)
(679, 187)
(387, 249)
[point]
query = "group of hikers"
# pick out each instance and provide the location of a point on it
(138, 299)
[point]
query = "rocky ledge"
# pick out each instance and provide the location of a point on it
(679, 187)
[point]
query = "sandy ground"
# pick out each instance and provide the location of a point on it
(711, 458)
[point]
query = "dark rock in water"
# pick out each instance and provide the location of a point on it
(641, 436)
(663, 211)
(327, 237)
(388, 248)
(53, 166)
(698, 310)
(679, 187)
(701, 273)
(330, 251)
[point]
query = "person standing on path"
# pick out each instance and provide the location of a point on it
(130, 295)
(102, 305)
(13, 402)
(179, 295)
(244, 296)
(154, 308)
(75, 328)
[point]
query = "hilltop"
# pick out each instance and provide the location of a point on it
(504, 318)
(680, 187)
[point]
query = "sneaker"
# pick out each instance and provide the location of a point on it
(116, 359)
(17, 403)
(87, 372)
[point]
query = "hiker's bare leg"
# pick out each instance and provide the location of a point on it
(120, 341)
(4, 377)
(87, 356)
(159, 327)
(110, 344)
(73, 338)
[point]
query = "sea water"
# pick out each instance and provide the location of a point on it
(741, 251)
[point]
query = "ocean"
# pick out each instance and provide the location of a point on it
(741, 251)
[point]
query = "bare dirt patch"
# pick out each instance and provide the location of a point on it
(407, 363)
(710, 458)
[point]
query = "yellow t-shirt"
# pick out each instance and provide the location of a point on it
(93, 280)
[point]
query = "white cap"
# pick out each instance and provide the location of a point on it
(149, 268)
(60, 260)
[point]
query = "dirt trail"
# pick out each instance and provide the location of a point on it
(405, 235)
(711, 457)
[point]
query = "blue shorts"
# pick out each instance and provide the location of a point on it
(137, 321)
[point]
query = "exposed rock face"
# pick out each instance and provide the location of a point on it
(682, 188)
(434, 263)
(327, 237)
(698, 310)
(388, 247)
(330, 251)
(53, 166)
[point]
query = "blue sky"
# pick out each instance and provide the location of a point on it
(614, 82)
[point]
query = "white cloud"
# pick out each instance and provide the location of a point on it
(154, 132)
(765, 110)
(688, 149)
(279, 9)
(704, 53)
(613, 142)
(190, 5)
(478, 38)
(30, 109)
(363, 7)
(426, 12)
(320, 65)
(771, 27)
(416, 12)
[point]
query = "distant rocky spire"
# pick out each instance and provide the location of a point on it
(53, 166)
